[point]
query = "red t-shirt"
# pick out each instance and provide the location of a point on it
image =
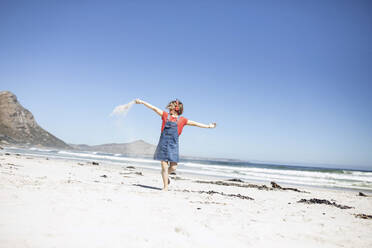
(182, 121)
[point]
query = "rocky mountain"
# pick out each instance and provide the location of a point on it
(18, 125)
(136, 148)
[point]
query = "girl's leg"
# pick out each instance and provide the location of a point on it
(172, 167)
(164, 174)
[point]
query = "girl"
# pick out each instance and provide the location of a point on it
(171, 129)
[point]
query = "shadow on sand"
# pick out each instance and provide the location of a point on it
(147, 187)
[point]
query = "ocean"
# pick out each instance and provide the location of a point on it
(337, 178)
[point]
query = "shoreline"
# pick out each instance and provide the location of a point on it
(185, 159)
(198, 174)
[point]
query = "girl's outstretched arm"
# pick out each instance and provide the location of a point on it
(157, 110)
(197, 124)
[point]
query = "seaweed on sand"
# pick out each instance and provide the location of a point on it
(211, 192)
(323, 201)
(240, 183)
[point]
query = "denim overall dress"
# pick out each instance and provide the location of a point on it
(167, 149)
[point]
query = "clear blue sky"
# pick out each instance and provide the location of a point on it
(284, 80)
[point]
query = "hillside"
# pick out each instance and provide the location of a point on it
(18, 125)
(136, 148)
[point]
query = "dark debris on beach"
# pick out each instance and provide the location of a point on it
(323, 201)
(260, 187)
(235, 180)
(211, 192)
(274, 185)
(131, 173)
(363, 216)
(240, 183)
(177, 178)
(362, 194)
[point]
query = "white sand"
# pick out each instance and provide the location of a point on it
(59, 203)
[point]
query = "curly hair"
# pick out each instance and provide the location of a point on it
(177, 105)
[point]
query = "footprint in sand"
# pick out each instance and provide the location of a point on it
(180, 230)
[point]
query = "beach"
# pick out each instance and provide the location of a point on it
(50, 202)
